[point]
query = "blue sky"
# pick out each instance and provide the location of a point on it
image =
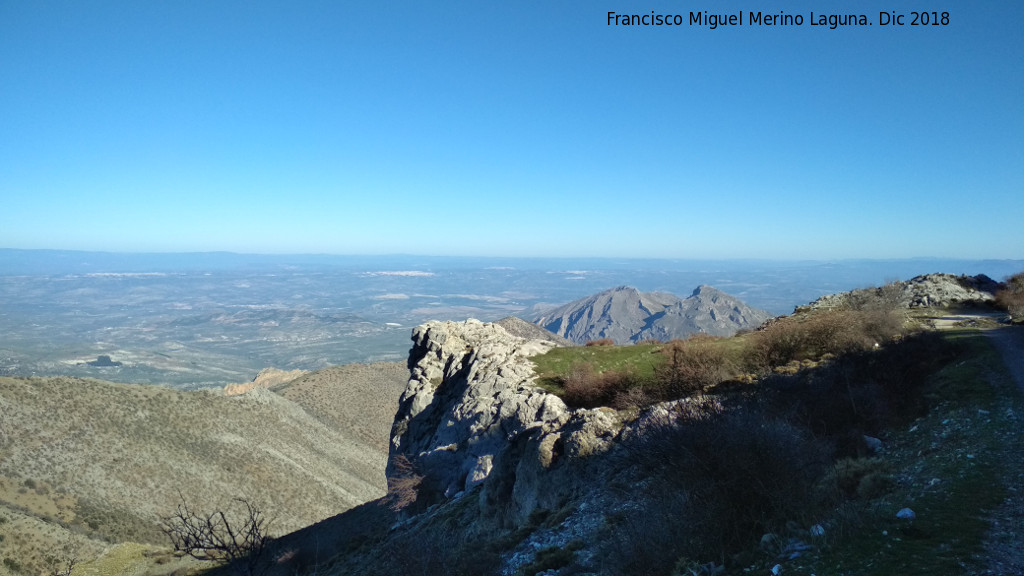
(510, 128)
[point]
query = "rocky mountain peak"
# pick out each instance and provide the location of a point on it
(624, 314)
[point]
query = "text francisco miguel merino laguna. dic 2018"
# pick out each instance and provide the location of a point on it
(751, 18)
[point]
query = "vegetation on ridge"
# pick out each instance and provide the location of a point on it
(798, 444)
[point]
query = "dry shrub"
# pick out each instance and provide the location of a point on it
(237, 536)
(691, 366)
(814, 335)
(883, 298)
(601, 342)
(865, 478)
(635, 397)
(860, 392)
(1012, 297)
(717, 482)
(403, 484)
(586, 388)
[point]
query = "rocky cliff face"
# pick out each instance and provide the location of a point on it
(471, 412)
(626, 315)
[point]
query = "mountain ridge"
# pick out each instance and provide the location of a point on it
(626, 315)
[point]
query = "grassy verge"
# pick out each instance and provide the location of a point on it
(950, 469)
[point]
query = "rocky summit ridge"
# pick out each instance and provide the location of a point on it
(625, 315)
(925, 291)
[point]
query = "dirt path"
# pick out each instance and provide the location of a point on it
(1004, 546)
(1010, 343)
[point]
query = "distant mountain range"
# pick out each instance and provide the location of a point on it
(625, 315)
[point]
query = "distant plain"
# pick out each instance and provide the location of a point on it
(209, 319)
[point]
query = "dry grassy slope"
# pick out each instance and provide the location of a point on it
(358, 400)
(122, 452)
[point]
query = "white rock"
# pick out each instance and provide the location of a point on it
(471, 392)
(906, 514)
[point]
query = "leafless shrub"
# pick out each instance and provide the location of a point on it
(403, 484)
(716, 481)
(886, 297)
(812, 336)
(635, 397)
(1012, 297)
(586, 388)
(213, 536)
(691, 366)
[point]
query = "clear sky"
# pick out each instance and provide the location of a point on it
(511, 128)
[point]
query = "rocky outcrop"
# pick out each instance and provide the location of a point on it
(470, 391)
(929, 290)
(472, 411)
(266, 378)
(626, 315)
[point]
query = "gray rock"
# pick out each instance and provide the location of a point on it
(470, 392)
(929, 290)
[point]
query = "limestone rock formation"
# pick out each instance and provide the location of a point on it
(472, 416)
(928, 290)
(626, 315)
(470, 391)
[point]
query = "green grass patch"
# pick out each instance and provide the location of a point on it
(968, 380)
(638, 360)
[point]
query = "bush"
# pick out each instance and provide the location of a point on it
(860, 392)
(12, 565)
(718, 481)
(1011, 298)
(601, 342)
(691, 366)
(814, 335)
(585, 388)
(865, 478)
(220, 537)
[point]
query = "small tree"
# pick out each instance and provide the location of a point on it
(1012, 297)
(212, 536)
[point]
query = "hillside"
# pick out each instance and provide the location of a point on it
(626, 315)
(85, 463)
(842, 440)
